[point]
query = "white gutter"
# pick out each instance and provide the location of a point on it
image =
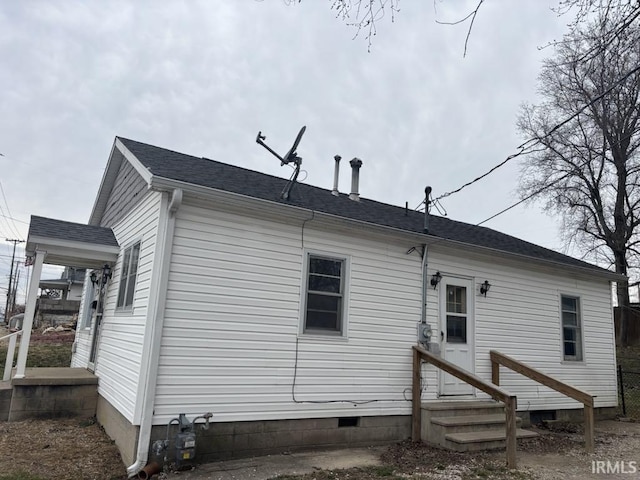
(153, 329)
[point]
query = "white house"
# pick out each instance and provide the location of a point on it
(293, 320)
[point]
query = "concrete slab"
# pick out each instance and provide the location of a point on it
(263, 468)
(56, 376)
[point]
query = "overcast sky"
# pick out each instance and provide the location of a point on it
(202, 77)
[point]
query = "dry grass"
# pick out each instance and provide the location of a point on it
(58, 449)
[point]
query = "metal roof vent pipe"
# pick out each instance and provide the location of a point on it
(427, 206)
(336, 173)
(356, 163)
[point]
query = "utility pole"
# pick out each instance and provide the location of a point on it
(13, 257)
(15, 289)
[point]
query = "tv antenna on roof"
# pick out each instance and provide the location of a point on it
(291, 156)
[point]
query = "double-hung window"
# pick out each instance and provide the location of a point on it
(571, 328)
(128, 276)
(325, 290)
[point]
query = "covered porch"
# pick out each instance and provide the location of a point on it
(67, 244)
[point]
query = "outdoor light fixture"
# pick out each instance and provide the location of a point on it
(435, 279)
(106, 273)
(484, 287)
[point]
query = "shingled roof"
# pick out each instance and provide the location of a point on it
(203, 172)
(76, 232)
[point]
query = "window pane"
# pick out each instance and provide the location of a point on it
(569, 304)
(456, 329)
(320, 283)
(121, 291)
(323, 302)
(128, 276)
(323, 312)
(569, 334)
(571, 328)
(569, 318)
(324, 294)
(325, 266)
(322, 320)
(135, 257)
(131, 287)
(569, 349)
(456, 299)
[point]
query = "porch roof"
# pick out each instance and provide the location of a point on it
(71, 244)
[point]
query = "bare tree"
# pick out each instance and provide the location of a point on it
(586, 161)
(364, 15)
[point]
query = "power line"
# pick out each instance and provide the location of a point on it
(9, 211)
(533, 194)
(526, 147)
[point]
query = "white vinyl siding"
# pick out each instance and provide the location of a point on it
(520, 317)
(121, 338)
(232, 323)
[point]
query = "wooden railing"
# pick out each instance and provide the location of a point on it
(586, 399)
(497, 393)
(8, 363)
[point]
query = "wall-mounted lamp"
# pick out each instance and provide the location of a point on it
(435, 279)
(484, 287)
(106, 275)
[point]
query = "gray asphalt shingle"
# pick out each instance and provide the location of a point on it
(212, 174)
(78, 232)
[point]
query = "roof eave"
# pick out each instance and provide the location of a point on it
(164, 184)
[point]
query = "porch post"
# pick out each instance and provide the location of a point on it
(29, 313)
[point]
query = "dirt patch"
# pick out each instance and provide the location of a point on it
(59, 449)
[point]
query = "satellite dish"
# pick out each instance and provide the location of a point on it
(291, 156)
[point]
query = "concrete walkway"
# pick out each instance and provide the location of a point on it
(263, 468)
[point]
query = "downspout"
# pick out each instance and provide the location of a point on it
(153, 331)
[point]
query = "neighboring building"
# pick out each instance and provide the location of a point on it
(59, 301)
(289, 319)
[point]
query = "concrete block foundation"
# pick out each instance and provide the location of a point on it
(227, 440)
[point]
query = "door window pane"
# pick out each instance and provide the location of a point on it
(456, 299)
(456, 329)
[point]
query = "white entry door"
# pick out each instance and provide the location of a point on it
(456, 332)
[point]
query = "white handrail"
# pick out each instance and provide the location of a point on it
(8, 364)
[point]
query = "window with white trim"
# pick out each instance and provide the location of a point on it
(324, 295)
(571, 328)
(128, 276)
